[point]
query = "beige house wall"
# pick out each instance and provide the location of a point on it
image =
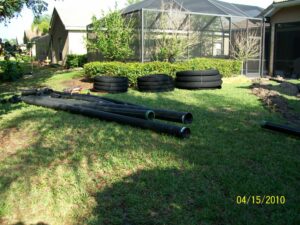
(287, 15)
(77, 42)
(33, 51)
(65, 42)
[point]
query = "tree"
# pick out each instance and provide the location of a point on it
(1, 47)
(41, 23)
(131, 2)
(245, 45)
(112, 36)
(9, 49)
(25, 38)
(12, 8)
(171, 33)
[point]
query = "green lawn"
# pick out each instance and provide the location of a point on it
(59, 168)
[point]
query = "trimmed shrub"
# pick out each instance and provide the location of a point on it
(74, 61)
(10, 70)
(24, 58)
(226, 67)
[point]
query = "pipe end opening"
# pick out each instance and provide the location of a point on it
(185, 132)
(187, 118)
(150, 115)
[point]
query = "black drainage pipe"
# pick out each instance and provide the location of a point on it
(29, 92)
(180, 117)
(139, 113)
(45, 101)
(174, 116)
(118, 102)
(90, 98)
(281, 128)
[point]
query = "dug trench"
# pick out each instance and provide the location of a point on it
(273, 98)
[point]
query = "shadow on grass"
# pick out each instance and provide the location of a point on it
(28, 81)
(228, 154)
(8, 107)
(21, 223)
(173, 196)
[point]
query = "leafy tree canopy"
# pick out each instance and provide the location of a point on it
(42, 23)
(12, 8)
(130, 2)
(113, 36)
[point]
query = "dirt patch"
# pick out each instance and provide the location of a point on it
(79, 82)
(12, 140)
(274, 101)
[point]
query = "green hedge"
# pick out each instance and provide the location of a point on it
(74, 61)
(10, 70)
(226, 67)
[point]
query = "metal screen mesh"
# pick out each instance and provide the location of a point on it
(210, 35)
(173, 26)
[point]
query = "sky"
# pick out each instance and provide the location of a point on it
(15, 29)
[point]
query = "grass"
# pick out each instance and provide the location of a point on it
(294, 81)
(60, 168)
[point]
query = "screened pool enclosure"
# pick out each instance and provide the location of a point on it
(169, 30)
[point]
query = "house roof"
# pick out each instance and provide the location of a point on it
(41, 38)
(74, 17)
(32, 33)
(200, 6)
(277, 5)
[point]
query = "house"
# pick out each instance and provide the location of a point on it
(282, 44)
(215, 23)
(41, 48)
(67, 32)
(30, 36)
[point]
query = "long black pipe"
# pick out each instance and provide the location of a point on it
(139, 113)
(169, 115)
(29, 92)
(281, 128)
(90, 98)
(119, 102)
(45, 101)
(40, 91)
(174, 116)
(181, 117)
(133, 112)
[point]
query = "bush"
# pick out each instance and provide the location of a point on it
(1, 67)
(76, 61)
(25, 58)
(10, 70)
(113, 36)
(226, 67)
